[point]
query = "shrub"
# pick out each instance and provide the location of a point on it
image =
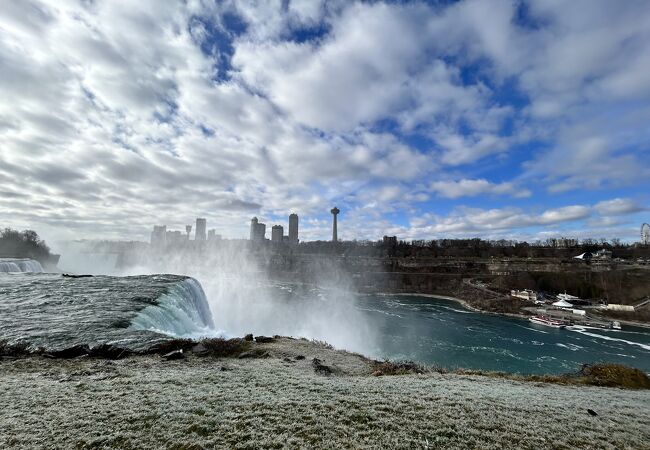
(614, 375)
(398, 368)
(225, 348)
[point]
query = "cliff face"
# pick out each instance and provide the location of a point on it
(615, 283)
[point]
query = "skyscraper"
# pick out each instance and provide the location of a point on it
(159, 236)
(199, 233)
(293, 229)
(253, 228)
(258, 230)
(277, 231)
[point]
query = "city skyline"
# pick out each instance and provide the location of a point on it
(514, 119)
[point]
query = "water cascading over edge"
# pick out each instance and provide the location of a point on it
(183, 311)
(20, 265)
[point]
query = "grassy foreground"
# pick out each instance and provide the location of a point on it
(295, 393)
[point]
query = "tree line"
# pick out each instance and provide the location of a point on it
(23, 244)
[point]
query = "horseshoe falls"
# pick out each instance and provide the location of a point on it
(50, 312)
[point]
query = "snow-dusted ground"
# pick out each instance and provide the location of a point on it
(279, 401)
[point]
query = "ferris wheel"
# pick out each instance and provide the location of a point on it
(645, 234)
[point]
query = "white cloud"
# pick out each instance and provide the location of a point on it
(617, 206)
(113, 118)
(474, 187)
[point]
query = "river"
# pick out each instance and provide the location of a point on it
(443, 333)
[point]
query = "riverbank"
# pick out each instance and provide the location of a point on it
(464, 303)
(296, 393)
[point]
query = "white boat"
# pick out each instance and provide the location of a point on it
(547, 321)
(616, 325)
(567, 297)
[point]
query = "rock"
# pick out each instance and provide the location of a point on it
(108, 351)
(200, 349)
(255, 353)
(70, 352)
(223, 368)
(300, 357)
(176, 354)
(320, 368)
(69, 275)
(263, 339)
(592, 412)
(248, 337)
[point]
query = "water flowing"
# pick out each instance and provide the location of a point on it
(52, 312)
(183, 311)
(20, 265)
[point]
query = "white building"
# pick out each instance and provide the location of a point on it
(618, 307)
(526, 294)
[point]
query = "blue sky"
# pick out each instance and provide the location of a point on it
(496, 119)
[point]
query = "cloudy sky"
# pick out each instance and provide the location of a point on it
(514, 119)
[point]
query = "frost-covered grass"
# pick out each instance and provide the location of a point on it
(282, 401)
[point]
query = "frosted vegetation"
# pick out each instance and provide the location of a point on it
(283, 400)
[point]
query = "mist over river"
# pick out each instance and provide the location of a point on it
(51, 312)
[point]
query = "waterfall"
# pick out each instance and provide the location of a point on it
(183, 311)
(20, 265)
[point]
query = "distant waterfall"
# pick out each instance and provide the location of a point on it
(20, 265)
(182, 311)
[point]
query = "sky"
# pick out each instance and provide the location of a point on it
(495, 119)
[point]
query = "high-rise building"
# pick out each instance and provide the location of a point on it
(258, 230)
(277, 231)
(293, 229)
(199, 232)
(254, 223)
(159, 236)
(174, 237)
(188, 230)
(213, 236)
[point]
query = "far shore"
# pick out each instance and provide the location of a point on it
(460, 301)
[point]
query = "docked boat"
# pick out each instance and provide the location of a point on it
(547, 321)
